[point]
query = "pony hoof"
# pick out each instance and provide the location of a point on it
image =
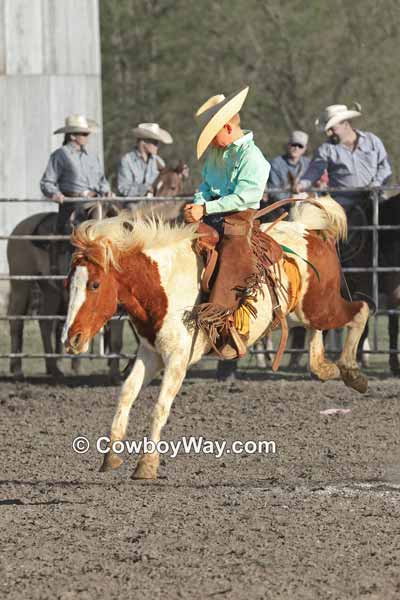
(353, 378)
(111, 461)
(147, 467)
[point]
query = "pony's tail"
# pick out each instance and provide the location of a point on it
(331, 218)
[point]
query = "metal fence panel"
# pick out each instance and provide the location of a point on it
(375, 269)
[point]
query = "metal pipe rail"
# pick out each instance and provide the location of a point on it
(72, 356)
(49, 318)
(123, 199)
(35, 237)
(375, 269)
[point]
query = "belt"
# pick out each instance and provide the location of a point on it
(80, 195)
(227, 214)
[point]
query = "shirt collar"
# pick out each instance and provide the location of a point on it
(245, 139)
(72, 147)
(140, 157)
(289, 161)
(362, 140)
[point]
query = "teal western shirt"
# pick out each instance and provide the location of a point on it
(236, 174)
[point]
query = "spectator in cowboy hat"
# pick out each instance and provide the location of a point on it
(73, 171)
(139, 168)
(289, 166)
(353, 158)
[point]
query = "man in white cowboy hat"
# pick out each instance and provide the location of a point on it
(234, 177)
(72, 171)
(139, 168)
(352, 158)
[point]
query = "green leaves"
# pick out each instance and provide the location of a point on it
(163, 58)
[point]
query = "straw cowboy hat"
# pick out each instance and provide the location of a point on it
(215, 113)
(336, 113)
(78, 124)
(152, 131)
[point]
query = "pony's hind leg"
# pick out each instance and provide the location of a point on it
(349, 370)
(319, 365)
(147, 365)
(174, 374)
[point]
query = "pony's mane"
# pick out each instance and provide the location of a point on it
(104, 241)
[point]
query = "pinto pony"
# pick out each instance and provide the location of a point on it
(150, 268)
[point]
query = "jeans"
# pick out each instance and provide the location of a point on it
(215, 221)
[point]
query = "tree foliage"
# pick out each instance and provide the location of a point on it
(163, 58)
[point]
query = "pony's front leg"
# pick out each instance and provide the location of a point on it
(174, 374)
(147, 365)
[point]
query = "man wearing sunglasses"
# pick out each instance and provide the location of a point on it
(73, 171)
(139, 168)
(289, 166)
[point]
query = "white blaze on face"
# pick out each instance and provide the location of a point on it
(77, 296)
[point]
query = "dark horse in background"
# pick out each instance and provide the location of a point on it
(389, 283)
(32, 257)
(357, 252)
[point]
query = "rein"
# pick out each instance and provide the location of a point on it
(279, 203)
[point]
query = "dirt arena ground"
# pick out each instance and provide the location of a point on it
(319, 519)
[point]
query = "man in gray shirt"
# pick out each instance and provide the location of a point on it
(139, 168)
(353, 158)
(72, 171)
(292, 164)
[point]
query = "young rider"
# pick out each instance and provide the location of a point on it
(235, 174)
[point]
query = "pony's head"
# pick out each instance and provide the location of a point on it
(93, 296)
(110, 267)
(93, 279)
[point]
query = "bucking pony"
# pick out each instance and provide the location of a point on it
(150, 267)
